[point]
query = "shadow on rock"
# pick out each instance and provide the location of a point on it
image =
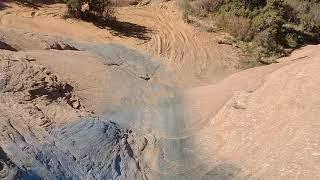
(224, 172)
(86, 149)
(3, 6)
(6, 46)
(9, 170)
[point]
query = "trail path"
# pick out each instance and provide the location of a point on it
(158, 30)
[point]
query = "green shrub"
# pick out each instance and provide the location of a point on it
(271, 27)
(185, 7)
(88, 8)
(75, 8)
(237, 26)
(202, 7)
(307, 14)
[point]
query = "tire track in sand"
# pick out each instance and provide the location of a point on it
(195, 56)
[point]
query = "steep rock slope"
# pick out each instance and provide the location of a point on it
(270, 129)
(47, 132)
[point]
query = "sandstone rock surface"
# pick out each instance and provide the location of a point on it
(84, 110)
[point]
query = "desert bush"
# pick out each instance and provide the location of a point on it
(75, 8)
(202, 7)
(88, 8)
(272, 27)
(237, 26)
(185, 7)
(101, 7)
(307, 14)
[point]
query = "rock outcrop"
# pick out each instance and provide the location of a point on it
(80, 110)
(47, 132)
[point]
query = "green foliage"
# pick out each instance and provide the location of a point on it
(270, 28)
(307, 14)
(99, 6)
(74, 8)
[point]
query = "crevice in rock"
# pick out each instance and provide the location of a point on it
(62, 46)
(113, 64)
(53, 92)
(146, 78)
(117, 162)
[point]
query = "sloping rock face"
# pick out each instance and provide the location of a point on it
(78, 110)
(16, 40)
(47, 132)
(269, 127)
(56, 103)
(9, 170)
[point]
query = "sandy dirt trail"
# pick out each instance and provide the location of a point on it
(158, 30)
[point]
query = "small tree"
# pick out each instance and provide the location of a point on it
(101, 8)
(75, 8)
